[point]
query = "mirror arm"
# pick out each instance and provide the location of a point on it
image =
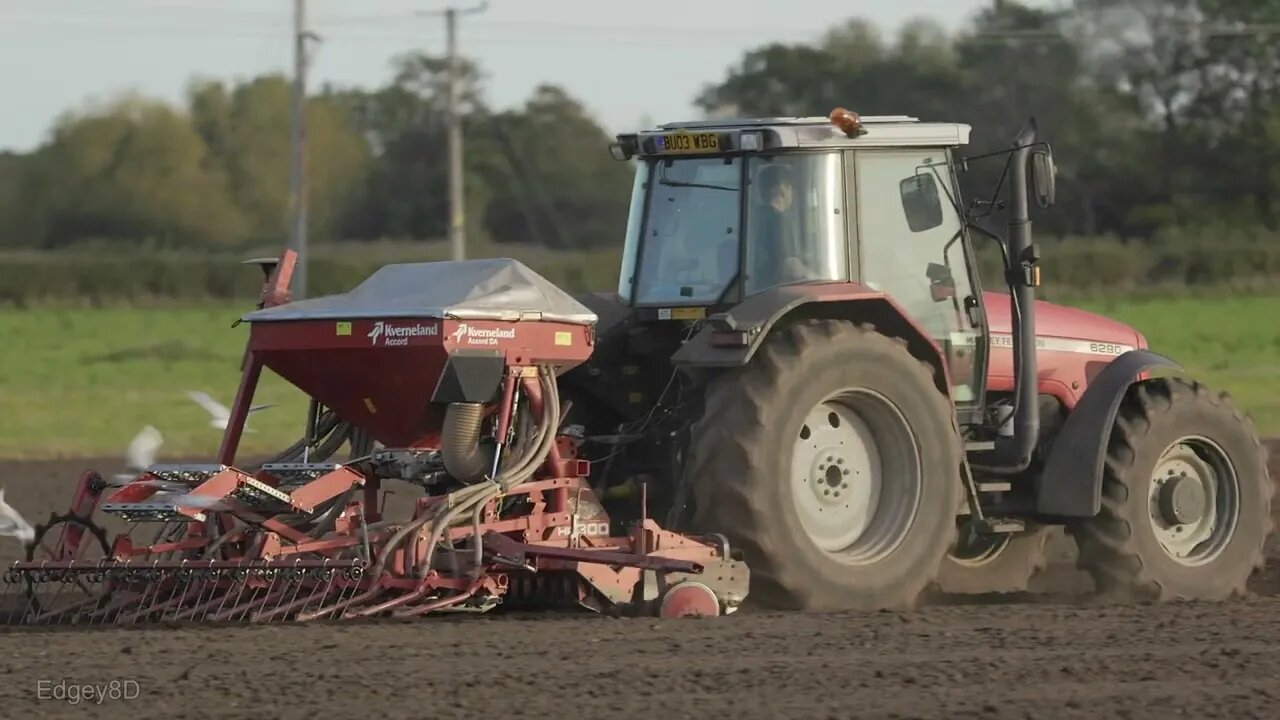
(1004, 251)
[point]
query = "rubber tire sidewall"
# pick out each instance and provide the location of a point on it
(749, 478)
(1120, 548)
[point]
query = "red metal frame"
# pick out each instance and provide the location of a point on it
(531, 535)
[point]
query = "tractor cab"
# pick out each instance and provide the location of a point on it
(725, 210)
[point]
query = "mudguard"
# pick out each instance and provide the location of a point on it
(1071, 484)
(753, 318)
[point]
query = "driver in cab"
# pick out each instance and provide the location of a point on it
(774, 246)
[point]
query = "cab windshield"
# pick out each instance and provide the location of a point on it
(689, 244)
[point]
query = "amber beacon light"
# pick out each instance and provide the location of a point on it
(847, 120)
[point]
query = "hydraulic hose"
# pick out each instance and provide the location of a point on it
(464, 501)
(460, 449)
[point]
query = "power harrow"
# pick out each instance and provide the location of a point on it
(441, 376)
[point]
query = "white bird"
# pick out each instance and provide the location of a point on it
(141, 453)
(14, 525)
(218, 413)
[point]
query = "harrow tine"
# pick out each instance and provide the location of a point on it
(241, 585)
(76, 611)
(342, 603)
(316, 590)
(16, 604)
(176, 597)
(148, 599)
(297, 588)
(117, 603)
(199, 587)
(239, 611)
(70, 596)
(346, 591)
(217, 597)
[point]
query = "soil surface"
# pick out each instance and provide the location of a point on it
(1053, 653)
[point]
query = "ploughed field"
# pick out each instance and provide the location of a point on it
(1053, 653)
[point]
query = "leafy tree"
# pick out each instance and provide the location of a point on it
(555, 183)
(405, 124)
(132, 170)
(247, 129)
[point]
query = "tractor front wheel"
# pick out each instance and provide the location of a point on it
(833, 461)
(1186, 498)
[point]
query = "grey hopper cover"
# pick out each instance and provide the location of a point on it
(488, 289)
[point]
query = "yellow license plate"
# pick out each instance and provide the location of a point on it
(682, 313)
(686, 142)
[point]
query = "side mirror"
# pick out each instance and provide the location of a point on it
(921, 201)
(1044, 177)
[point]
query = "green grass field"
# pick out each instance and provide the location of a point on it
(1228, 343)
(78, 382)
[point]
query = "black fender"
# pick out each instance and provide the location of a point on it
(730, 339)
(1070, 485)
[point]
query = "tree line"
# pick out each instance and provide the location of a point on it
(1164, 116)
(214, 173)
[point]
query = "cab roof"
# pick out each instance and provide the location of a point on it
(780, 133)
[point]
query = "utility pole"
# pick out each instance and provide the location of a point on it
(298, 165)
(457, 193)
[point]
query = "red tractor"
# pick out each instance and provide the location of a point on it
(800, 356)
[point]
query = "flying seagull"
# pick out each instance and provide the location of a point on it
(13, 525)
(141, 454)
(218, 413)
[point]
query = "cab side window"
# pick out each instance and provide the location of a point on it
(911, 248)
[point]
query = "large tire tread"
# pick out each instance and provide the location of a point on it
(1108, 544)
(731, 494)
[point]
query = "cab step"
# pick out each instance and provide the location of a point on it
(999, 526)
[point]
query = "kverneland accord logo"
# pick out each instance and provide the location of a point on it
(472, 335)
(392, 334)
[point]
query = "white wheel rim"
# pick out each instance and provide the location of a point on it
(1193, 501)
(855, 485)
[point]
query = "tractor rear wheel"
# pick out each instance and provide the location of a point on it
(833, 461)
(1186, 498)
(1003, 563)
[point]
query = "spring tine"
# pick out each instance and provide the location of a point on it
(283, 608)
(140, 609)
(142, 606)
(240, 585)
(195, 593)
(217, 592)
(324, 590)
(341, 604)
(118, 602)
(239, 611)
(49, 597)
(215, 598)
(179, 593)
(298, 583)
(349, 588)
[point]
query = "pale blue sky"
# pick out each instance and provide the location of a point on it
(624, 59)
